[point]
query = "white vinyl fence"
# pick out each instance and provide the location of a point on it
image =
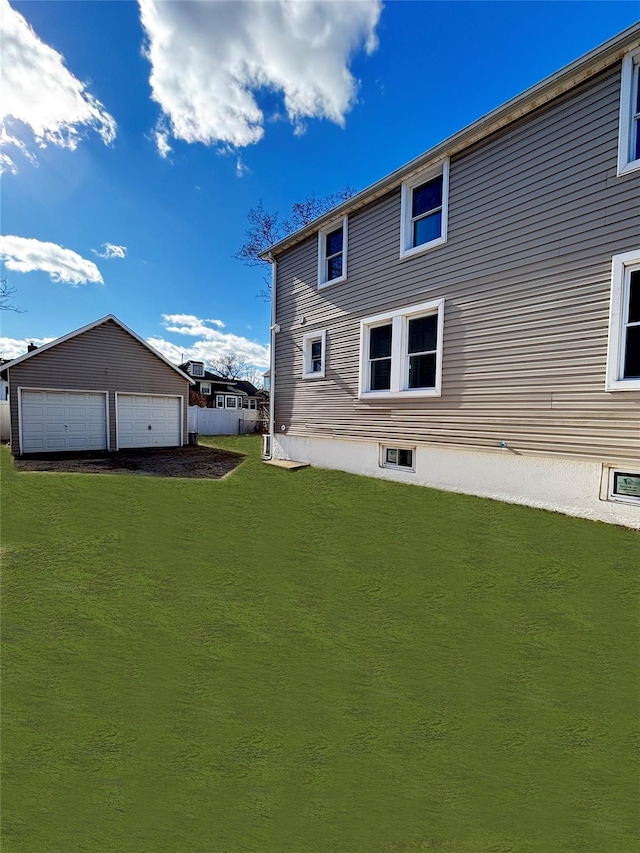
(221, 421)
(5, 429)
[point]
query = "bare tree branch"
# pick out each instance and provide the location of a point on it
(6, 294)
(265, 229)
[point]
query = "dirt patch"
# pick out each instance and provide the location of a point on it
(200, 462)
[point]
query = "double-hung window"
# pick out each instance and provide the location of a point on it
(401, 352)
(423, 213)
(332, 253)
(623, 358)
(205, 388)
(313, 354)
(629, 141)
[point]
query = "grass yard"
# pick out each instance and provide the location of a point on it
(312, 662)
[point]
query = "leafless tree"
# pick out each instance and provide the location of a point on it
(233, 366)
(266, 228)
(6, 295)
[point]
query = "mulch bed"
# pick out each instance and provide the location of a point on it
(205, 463)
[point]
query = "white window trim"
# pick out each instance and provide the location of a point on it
(620, 277)
(322, 254)
(395, 467)
(219, 397)
(199, 366)
(407, 249)
(204, 385)
(399, 320)
(607, 483)
(235, 402)
(307, 340)
(630, 68)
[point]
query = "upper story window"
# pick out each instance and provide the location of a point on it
(623, 359)
(401, 352)
(197, 368)
(424, 209)
(313, 354)
(332, 253)
(629, 141)
(205, 388)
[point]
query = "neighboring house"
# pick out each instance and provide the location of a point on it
(221, 393)
(101, 387)
(471, 322)
(4, 385)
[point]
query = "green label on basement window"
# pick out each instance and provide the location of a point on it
(626, 484)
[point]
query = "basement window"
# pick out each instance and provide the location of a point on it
(623, 486)
(397, 457)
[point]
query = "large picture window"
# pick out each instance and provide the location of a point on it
(623, 358)
(424, 209)
(401, 352)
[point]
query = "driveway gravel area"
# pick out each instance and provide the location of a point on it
(206, 463)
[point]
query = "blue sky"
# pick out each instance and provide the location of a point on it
(246, 101)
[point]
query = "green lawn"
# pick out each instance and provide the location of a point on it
(312, 662)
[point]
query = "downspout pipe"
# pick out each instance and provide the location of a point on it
(272, 355)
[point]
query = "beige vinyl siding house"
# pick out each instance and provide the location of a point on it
(477, 359)
(99, 388)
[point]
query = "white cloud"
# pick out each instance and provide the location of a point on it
(40, 93)
(211, 344)
(11, 348)
(162, 136)
(110, 250)
(25, 254)
(208, 61)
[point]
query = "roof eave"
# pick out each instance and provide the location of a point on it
(551, 87)
(76, 332)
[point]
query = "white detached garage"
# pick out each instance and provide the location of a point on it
(101, 387)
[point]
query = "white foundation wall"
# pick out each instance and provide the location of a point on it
(563, 485)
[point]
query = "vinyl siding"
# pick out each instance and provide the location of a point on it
(105, 358)
(536, 213)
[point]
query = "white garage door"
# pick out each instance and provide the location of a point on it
(149, 421)
(62, 420)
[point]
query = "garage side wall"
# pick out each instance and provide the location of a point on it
(105, 358)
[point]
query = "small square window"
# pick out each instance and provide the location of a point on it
(313, 355)
(231, 402)
(197, 368)
(332, 253)
(205, 388)
(423, 210)
(398, 457)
